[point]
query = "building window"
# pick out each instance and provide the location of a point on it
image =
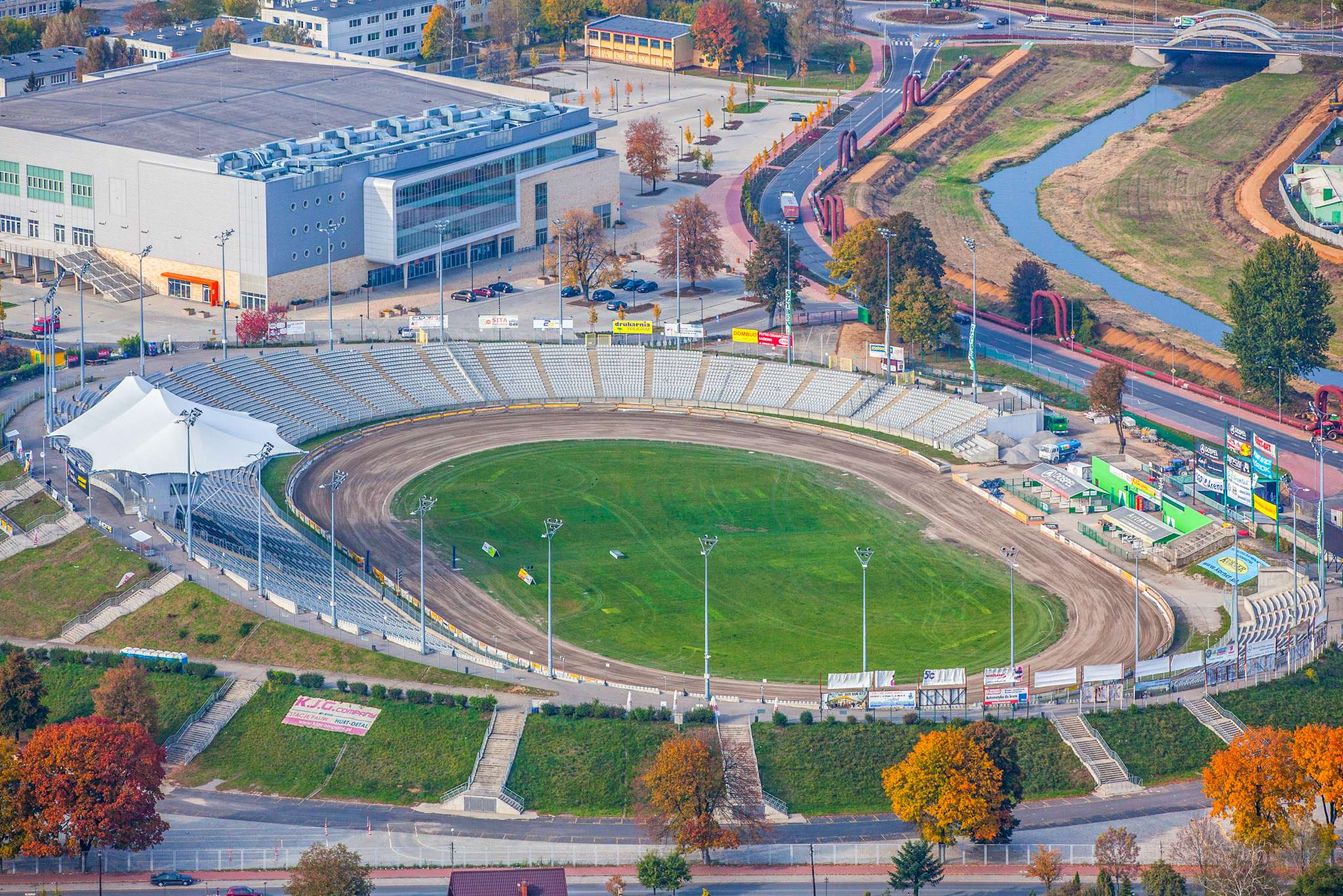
(81, 236)
(374, 52)
(373, 19)
(33, 230)
(390, 32)
(9, 178)
(58, 232)
(603, 211)
(46, 183)
(391, 15)
(355, 23)
(81, 190)
(356, 39)
(643, 42)
(542, 236)
(506, 246)
(406, 48)
(407, 29)
(252, 300)
(541, 195)
(179, 289)
(11, 224)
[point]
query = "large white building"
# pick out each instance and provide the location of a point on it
(377, 28)
(295, 150)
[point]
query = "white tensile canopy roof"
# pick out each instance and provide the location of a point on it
(140, 428)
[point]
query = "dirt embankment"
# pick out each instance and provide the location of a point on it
(927, 16)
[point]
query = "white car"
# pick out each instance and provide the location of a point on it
(1039, 17)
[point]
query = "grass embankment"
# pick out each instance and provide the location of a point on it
(43, 588)
(1146, 202)
(835, 768)
(193, 620)
(786, 551)
(10, 470)
(569, 766)
(1158, 743)
(70, 685)
(1314, 694)
(413, 753)
(27, 512)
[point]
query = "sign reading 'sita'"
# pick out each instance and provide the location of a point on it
(331, 715)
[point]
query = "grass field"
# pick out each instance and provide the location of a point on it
(43, 588)
(192, 619)
(783, 571)
(836, 768)
(568, 766)
(1142, 201)
(413, 753)
(1157, 743)
(10, 470)
(27, 512)
(1312, 695)
(69, 687)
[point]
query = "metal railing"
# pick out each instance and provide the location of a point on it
(1133, 779)
(113, 599)
(455, 792)
(511, 798)
(1225, 712)
(774, 802)
(200, 712)
(484, 742)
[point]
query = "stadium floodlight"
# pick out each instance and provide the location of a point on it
(260, 455)
(326, 230)
(974, 313)
(1010, 558)
(887, 235)
(333, 485)
(221, 240)
(422, 509)
(442, 227)
(552, 526)
(559, 273)
(706, 544)
(188, 419)
(677, 221)
(864, 556)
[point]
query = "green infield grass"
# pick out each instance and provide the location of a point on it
(784, 591)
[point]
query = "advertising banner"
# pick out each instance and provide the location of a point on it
(78, 475)
(280, 328)
(684, 331)
(779, 339)
(894, 352)
(1208, 481)
(943, 678)
(1233, 566)
(745, 334)
(1263, 455)
(426, 321)
(526, 576)
(845, 699)
(1003, 676)
(1005, 696)
(847, 681)
(1208, 453)
(552, 323)
(1239, 486)
(883, 679)
(331, 715)
(1056, 678)
(892, 699)
(497, 321)
(632, 327)
(1238, 441)
(1266, 507)
(1218, 655)
(489, 549)
(6, 527)
(1104, 672)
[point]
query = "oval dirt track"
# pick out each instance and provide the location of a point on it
(1100, 606)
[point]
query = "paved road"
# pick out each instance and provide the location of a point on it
(828, 883)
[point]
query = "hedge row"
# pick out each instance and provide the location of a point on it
(317, 681)
(106, 659)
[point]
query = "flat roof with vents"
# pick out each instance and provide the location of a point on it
(39, 62)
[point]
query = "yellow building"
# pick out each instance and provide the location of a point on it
(633, 40)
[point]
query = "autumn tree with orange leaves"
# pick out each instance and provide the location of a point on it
(1318, 751)
(90, 783)
(688, 796)
(648, 149)
(948, 786)
(11, 835)
(1257, 783)
(125, 695)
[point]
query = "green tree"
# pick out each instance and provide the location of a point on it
(287, 34)
(659, 872)
(240, 9)
(1279, 310)
(21, 693)
(767, 273)
(1160, 879)
(1106, 394)
(33, 85)
(219, 35)
(563, 15)
(1322, 880)
(192, 10)
(859, 258)
(329, 871)
(442, 34)
(921, 310)
(97, 57)
(18, 36)
(64, 30)
(915, 867)
(1001, 746)
(1027, 277)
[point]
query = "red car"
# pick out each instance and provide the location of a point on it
(42, 323)
(241, 891)
(484, 292)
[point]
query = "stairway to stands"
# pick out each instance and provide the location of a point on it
(487, 789)
(1213, 717)
(186, 745)
(743, 772)
(104, 276)
(1110, 774)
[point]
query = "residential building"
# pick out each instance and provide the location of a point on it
(634, 40)
(508, 882)
(318, 162)
(388, 29)
(173, 41)
(29, 9)
(53, 68)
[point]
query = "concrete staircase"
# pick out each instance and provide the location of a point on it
(1213, 717)
(197, 734)
(487, 790)
(26, 488)
(117, 606)
(105, 277)
(1112, 778)
(42, 535)
(739, 757)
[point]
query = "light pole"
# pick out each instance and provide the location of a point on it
(974, 314)
(887, 235)
(326, 230)
(189, 419)
(676, 222)
(864, 555)
(442, 228)
(221, 240)
(333, 485)
(706, 544)
(141, 255)
(1317, 442)
(83, 272)
(559, 272)
(1137, 625)
(788, 285)
(1010, 557)
(422, 509)
(552, 526)
(260, 456)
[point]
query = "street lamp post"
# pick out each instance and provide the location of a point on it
(706, 544)
(333, 485)
(864, 555)
(1317, 442)
(1137, 624)
(676, 222)
(422, 509)
(788, 285)
(189, 419)
(887, 235)
(559, 272)
(141, 255)
(221, 240)
(326, 230)
(83, 272)
(260, 456)
(1010, 557)
(974, 313)
(552, 526)
(442, 228)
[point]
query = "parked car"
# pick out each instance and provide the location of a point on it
(465, 295)
(241, 891)
(622, 283)
(1039, 17)
(1004, 20)
(407, 333)
(502, 286)
(483, 292)
(1096, 22)
(796, 116)
(172, 879)
(632, 285)
(41, 325)
(568, 292)
(97, 31)
(647, 286)
(985, 26)
(617, 305)
(602, 295)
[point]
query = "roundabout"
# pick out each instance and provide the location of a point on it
(385, 463)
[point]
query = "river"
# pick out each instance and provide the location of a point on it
(1012, 195)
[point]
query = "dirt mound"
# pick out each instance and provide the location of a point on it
(1163, 355)
(927, 16)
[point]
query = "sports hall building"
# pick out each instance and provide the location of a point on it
(293, 149)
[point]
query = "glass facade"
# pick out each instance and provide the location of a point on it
(46, 183)
(81, 190)
(9, 178)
